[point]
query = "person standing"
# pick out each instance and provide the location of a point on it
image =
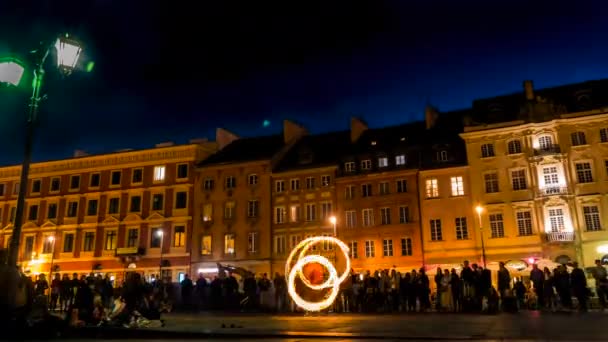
(186, 287)
(601, 282)
(55, 291)
(537, 277)
(578, 280)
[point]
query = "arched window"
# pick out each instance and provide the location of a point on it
(514, 146)
(545, 142)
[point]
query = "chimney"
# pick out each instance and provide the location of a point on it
(529, 90)
(430, 116)
(224, 138)
(357, 127)
(80, 153)
(292, 131)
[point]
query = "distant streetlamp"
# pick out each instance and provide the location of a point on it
(333, 220)
(479, 210)
(160, 234)
(11, 71)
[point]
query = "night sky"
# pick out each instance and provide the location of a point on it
(175, 70)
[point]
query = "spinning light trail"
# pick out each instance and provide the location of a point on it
(333, 281)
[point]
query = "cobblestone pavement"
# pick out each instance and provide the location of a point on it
(522, 326)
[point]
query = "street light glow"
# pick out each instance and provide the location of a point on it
(479, 209)
(51, 238)
(332, 219)
(68, 52)
(159, 233)
(11, 72)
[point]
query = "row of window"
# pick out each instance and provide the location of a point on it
(550, 176)
(137, 176)
(456, 185)
(366, 164)
(312, 212)
(110, 240)
(545, 142)
(92, 206)
(252, 210)
(405, 245)
(384, 188)
(367, 216)
(229, 248)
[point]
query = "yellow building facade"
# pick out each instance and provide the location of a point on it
(542, 184)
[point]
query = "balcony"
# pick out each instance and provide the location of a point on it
(560, 237)
(552, 191)
(547, 150)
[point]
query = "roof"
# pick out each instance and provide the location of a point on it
(247, 150)
(316, 150)
(548, 103)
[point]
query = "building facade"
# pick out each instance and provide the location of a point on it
(377, 195)
(304, 195)
(107, 213)
(541, 172)
(234, 189)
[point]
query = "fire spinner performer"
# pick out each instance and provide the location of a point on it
(313, 279)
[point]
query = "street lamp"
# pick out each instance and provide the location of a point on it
(333, 220)
(51, 239)
(68, 53)
(479, 210)
(11, 71)
(160, 234)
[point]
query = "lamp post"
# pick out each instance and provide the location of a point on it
(51, 239)
(333, 220)
(479, 210)
(160, 234)
(68, 53)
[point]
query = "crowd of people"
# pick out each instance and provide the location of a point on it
(136, 302)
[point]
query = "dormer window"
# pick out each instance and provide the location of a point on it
(366, 164)
(400, 159)
(442, 156)
(373, 143)
(349, 166)
(382, 162)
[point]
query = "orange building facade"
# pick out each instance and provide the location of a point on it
(107, 213)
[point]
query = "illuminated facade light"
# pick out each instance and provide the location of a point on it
(11, 72)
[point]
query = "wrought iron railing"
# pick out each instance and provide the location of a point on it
(560, 236)
(545, 150)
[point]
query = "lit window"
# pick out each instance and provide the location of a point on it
(110, 240)
(382, 162)
(556, 219)
(159, 173)
(229, 210)
(432, 189)
(206, 245)
(545, 142)
(229, 244)
(294, 213)
(179, 236)
(457, 186)
(400, 159)
(156, 237)
(207, 212)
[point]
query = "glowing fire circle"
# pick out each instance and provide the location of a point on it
(332, 283)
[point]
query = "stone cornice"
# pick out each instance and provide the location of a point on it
(108, 161)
